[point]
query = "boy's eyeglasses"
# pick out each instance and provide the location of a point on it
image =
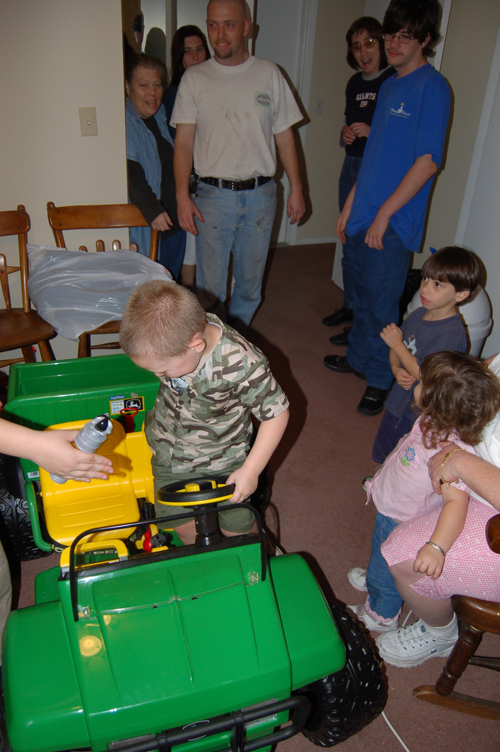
(401, 38)
(368, 43)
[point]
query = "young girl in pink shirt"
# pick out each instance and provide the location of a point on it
(457, 397)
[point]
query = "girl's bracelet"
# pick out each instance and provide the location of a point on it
(435, 545)
(447, 456)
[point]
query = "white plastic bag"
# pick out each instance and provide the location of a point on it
(76, 291)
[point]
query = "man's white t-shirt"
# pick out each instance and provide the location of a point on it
(237, 110)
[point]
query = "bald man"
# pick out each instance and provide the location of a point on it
(231, 113)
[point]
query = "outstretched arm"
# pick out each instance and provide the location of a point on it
(285, 142)
(269, 436)
(53, 451)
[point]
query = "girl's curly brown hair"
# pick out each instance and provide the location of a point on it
(459, 395)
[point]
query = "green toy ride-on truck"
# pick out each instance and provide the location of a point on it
(138, 643)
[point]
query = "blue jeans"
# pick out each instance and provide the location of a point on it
(237, 222)
(390, 431)
(378, 282)
(383, 596)
(348, 176)
(171, 252)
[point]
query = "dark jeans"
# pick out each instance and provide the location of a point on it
(348, 177)
(390, 431)
(383, 596)
(378, 283)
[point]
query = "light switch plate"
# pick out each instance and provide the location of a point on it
(88, 121)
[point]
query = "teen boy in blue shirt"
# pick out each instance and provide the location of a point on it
(383, 218)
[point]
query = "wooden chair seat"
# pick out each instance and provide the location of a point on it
(93, 217)
(476, 617)
(20, 328)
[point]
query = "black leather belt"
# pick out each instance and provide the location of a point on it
(237, 185)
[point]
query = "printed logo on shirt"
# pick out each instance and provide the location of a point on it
(367, 95)
(364, 103)
(400, 112)
(262, 99)
(408, 456)
(411, 345)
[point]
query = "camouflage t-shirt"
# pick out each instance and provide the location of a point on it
(208, 428)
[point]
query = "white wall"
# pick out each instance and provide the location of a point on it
(57, 56)
(479, 227)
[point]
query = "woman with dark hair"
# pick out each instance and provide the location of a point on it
(150, 155)
(366, 54)
(189, 47)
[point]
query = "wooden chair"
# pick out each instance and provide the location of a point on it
(477, 617)
(20, 328)
(98, 217)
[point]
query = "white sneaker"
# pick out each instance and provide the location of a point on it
(410, 646)
(357, 578)
(370, 623)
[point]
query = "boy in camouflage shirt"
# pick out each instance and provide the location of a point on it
(212, 382)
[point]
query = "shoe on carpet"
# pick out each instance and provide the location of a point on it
(372, 401)
(339, 316)
(339, 364)
(370, 623)
(342, 339)
(365, 481)
(410, 646)
(357, 578)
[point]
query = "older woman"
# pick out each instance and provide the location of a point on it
(150, 161)
(470, 568)
(366, 55)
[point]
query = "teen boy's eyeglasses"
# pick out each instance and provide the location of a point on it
(368, 43)
(401, 38)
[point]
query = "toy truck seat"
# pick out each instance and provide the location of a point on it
(75, 506)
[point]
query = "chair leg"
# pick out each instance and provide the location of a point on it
(84, 346)
(458, 660)
(442, 694)
(28, 354)
(46, 350)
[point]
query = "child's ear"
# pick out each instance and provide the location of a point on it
(462, 295)
(197, 343)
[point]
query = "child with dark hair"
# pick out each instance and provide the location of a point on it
(449, 276)
(457, 397)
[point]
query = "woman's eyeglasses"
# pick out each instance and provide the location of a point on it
(401, 38)
(368, 43)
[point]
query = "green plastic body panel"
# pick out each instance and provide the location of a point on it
(314, 644)
(45, 394)
(43, 706)
(164, 643)
(46, 586)
(34, 518)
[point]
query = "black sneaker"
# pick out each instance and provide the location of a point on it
(339, 316)
(339, 364)
(372, 401)
(342, 339)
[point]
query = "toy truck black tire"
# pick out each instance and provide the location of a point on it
(16, 532)
(345, 702)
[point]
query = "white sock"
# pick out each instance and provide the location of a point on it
(448, 632)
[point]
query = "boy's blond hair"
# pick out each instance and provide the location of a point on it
(160, 319)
